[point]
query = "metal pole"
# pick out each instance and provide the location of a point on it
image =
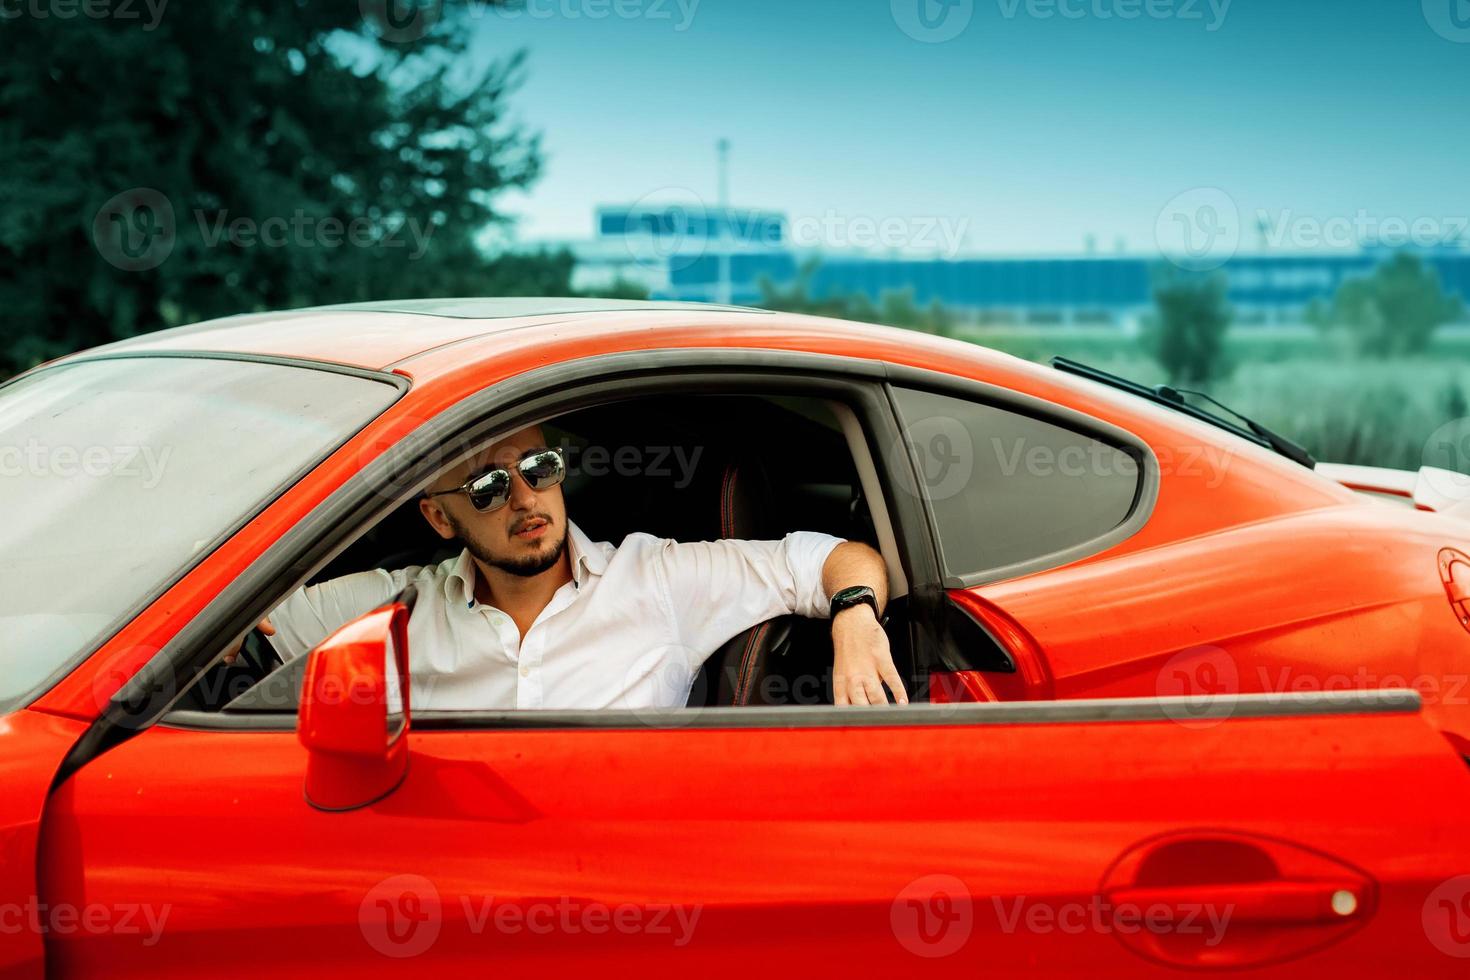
(725, 289)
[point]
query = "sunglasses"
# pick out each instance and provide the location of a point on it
(542, 469)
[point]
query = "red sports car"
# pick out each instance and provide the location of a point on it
(1184, 699)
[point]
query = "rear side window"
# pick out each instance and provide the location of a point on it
(1011, 492)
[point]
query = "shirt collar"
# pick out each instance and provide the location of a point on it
(587, 559)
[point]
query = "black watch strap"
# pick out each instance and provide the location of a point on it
(854, 595)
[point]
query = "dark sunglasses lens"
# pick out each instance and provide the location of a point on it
(490, 490)
(543, 470)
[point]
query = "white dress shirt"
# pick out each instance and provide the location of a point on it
(630, 630)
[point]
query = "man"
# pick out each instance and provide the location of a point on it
(533, 614)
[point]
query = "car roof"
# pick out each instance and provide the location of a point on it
(380, 335)
(496, 307)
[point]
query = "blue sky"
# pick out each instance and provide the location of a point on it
(1039, 123)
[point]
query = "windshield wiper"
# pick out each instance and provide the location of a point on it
(1174, 398)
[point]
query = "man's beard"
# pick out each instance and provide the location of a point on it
(525, 566)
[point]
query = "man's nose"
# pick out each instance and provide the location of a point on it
(522, 497)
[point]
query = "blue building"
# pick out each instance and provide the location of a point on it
(683, 252)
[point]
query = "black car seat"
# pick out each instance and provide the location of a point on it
(736, 673)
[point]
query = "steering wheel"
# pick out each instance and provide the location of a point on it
(257, 655)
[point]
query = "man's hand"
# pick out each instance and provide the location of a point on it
(233, 653)
(862, 663)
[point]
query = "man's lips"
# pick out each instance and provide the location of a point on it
(532, 528)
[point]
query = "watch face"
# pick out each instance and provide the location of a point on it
(852, 593)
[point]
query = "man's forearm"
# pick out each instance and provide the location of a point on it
(854, 563)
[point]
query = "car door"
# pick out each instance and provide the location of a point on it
(1120, 838)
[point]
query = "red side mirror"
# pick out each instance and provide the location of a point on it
(354, 710)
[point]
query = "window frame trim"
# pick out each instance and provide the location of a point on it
(1146, 493)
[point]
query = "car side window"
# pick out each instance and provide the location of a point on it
(1008, 490)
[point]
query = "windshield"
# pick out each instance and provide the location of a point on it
(117, 475)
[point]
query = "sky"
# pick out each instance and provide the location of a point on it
(1003, 126)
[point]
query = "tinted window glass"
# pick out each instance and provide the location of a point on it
(1008, 488)
(116, 474)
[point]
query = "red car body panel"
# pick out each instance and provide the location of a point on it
(792, 844)
(1268, 578)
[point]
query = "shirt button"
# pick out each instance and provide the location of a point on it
(525, 671)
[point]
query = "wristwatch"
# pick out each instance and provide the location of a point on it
(855, 595)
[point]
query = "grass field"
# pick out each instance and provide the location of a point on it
(1343, 408)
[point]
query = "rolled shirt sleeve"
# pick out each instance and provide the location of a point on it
(312, 613)
(719, 588)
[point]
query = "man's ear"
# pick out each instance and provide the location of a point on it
(435, 516)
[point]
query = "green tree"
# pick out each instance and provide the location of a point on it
(236, 156)
(1393, 311)
(1186, 333)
